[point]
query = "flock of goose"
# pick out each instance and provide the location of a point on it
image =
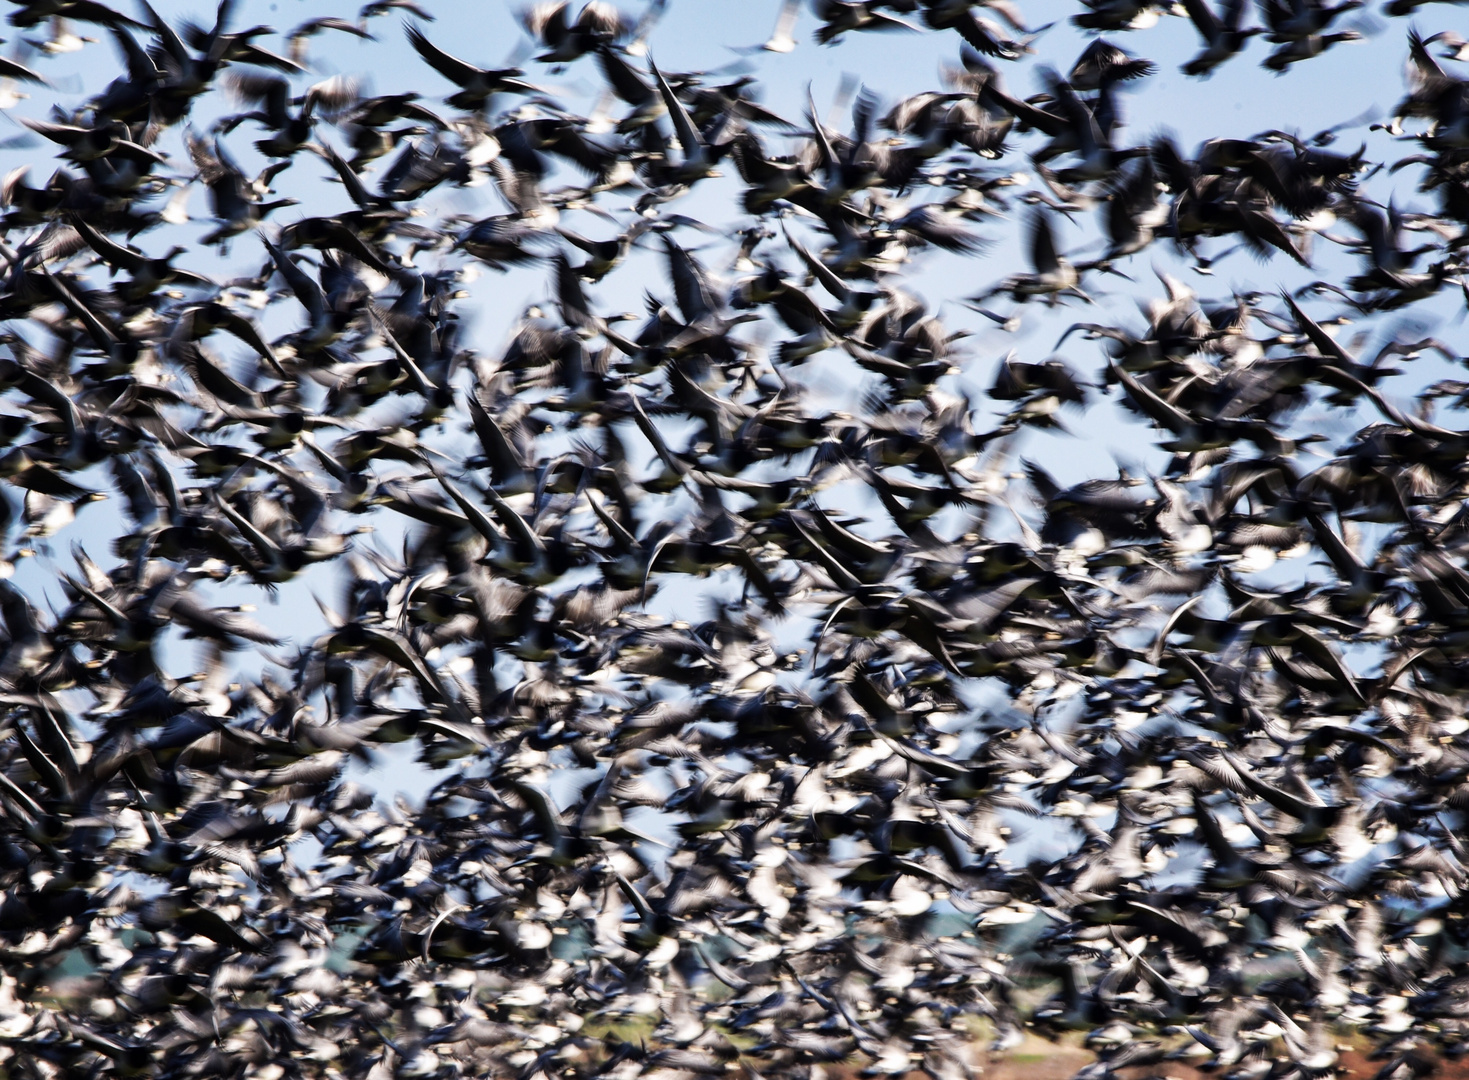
(800, 820)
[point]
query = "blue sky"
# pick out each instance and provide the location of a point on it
(1239, 100)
